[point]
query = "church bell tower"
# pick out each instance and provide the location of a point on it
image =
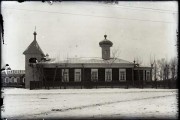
(33, 54)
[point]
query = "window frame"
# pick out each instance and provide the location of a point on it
(122, 70)
(108, 70)
(149, 74)
(94, 70)
(65, 70)
(75, 75)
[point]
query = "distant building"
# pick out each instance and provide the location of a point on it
(6, 67)
(84, 72)
(13, 78)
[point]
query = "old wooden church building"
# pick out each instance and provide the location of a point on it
(42, 72)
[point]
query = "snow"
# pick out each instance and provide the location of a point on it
(90, 103)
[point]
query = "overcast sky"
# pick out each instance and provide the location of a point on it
(74, 29)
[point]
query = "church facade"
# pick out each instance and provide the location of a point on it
(42, 72)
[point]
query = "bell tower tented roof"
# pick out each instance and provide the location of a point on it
(34, 48)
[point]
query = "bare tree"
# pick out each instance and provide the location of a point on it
(115, 55)
(116, 52)
(173, 68)
(161, 66)
(164, 71)
(40, 70)
(153, 64)
(138, 62)
(155, 72)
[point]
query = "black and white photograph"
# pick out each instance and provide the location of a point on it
(89, 60)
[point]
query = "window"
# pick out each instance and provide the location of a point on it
(18, 80)
(77, 75)
(12, 79)
(6, 80)
(108, 75)
(94, 75)
(122, 74)
(15, 80)
(23, 80)
(148, 75)
(144, 75)
(65, 75)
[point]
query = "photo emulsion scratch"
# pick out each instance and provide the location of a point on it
(89, 60)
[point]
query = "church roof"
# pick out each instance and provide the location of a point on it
(89, 60)
(34, 48)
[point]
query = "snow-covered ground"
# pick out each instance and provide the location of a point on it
(90, 103)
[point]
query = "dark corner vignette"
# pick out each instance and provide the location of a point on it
(2, 41)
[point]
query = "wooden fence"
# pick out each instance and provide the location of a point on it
(63, 85)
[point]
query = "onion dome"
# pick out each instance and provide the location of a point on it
(105, 42)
